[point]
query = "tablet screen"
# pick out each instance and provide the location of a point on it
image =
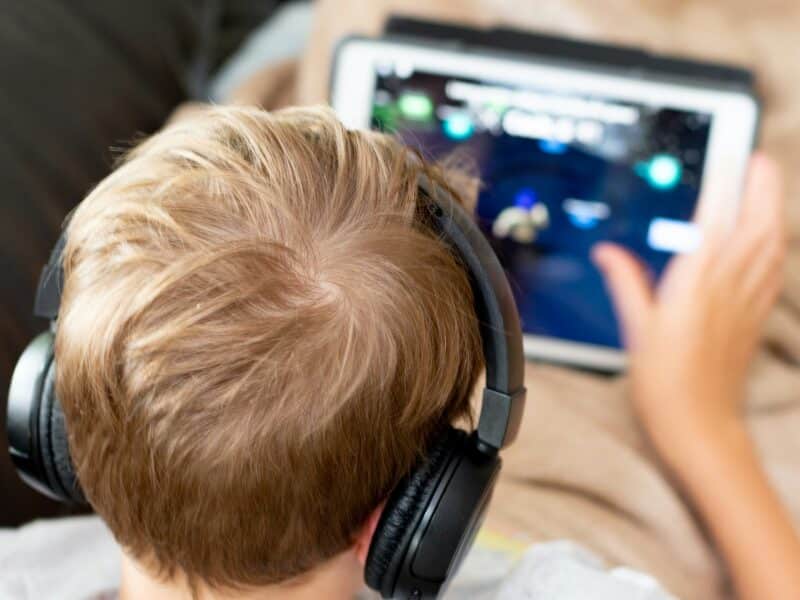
(560, 172)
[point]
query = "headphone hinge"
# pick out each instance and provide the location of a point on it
(500, 418)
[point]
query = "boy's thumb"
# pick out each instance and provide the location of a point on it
(629, 287)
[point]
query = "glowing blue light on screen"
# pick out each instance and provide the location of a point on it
(665, 171)
(662, 171)
(583, 221)
(525, 198)
(586, 214)
(552, 147)
(458, 126)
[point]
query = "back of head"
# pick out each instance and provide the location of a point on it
(257, 339)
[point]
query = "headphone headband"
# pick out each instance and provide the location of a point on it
(504, 393)
(51, 282)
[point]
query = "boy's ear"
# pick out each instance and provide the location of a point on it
(364, 536)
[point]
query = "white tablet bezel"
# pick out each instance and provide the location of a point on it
(733, 129)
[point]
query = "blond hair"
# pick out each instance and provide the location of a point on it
(258, 337)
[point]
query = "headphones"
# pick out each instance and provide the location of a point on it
(431, 518)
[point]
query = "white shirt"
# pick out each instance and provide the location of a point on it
(77, 559)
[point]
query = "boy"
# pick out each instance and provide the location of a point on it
(258, 339)
(256, 342)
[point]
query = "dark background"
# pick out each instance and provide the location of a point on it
(80, 77)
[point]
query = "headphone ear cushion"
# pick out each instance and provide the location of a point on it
(65, 470)
(405, 508)
(54, 444)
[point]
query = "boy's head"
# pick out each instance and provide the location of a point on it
(257, 340)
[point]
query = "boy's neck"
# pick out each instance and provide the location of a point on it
(339, 579)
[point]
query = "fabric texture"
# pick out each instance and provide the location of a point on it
(564, 571)
(77, 559)
(61, 559)
(278, 39)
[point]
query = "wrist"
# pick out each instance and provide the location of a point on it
(685, 415)
(707, 447)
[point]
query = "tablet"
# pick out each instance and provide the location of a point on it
(570, 153)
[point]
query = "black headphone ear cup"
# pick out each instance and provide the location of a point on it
(404, 509)
(54, 444)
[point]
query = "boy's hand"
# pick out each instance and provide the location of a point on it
(691, 341)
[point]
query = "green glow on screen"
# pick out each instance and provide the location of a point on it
(415, 106)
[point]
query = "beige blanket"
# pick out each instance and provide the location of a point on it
(582, 469)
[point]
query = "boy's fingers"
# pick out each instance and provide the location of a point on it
(762, 203)
(758, 244)
(629, 287)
